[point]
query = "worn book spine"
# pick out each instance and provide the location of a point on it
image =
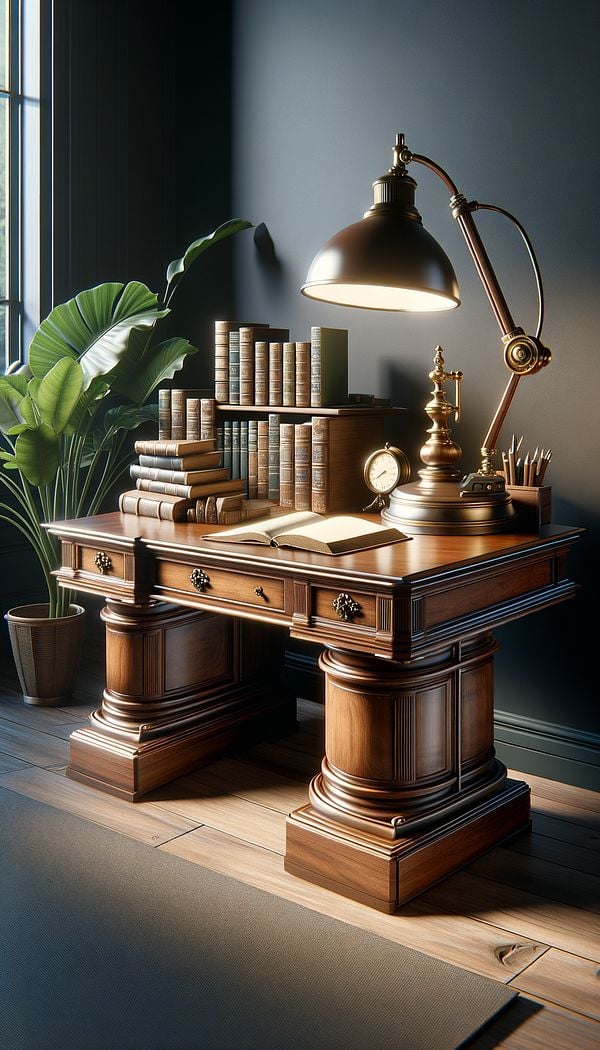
(147, 505)
(244, 453)
(235, 448)
(201, 461)
(350, 440)
(252, 458)
(227, 444)
(164, 414)
(320, 465)
(276, 373)
(192, 419)
(274, 423)
(208, 418)
(234, 368)
(328, 366)
(303, 373)
(286, 464)
(302, 466)
(222, 330)
(213, 488)
(261, 373)
(263, 458)
(289, 375)
(173, 448)
(246, 366)
(178, 415)
(200, 510)
(178, 477)
(210, 510)
(219, 430)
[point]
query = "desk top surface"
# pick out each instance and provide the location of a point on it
(418, 556)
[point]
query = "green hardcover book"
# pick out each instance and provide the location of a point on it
(328, 366)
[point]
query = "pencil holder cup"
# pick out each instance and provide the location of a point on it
(533, 504)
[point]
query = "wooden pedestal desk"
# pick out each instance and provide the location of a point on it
(409, 789)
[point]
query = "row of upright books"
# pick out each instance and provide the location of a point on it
(256, 365)
(312, 465)
(186, 415)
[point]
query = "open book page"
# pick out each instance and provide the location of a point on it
(266, 529)
(306, 531)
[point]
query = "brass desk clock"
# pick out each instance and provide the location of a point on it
(384, 470)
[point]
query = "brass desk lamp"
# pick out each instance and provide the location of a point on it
(388, 261)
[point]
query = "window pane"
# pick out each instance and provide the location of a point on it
(3, 198)
(4, 44)
(4, 354)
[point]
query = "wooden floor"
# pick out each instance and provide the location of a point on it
(525, 914)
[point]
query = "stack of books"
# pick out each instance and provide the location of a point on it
(175, 477)
(258, 366)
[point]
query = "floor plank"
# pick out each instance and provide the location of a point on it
(526, 915)
(565, 831)
(530, 1025)
(231, 776)
(143, 822)
(554, 881)
(564, 979)
(32, 745)
(466, 943)
(569, 855)
(581, 798)
(235, 816)
(8, 764)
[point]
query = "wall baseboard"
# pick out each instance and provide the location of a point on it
(548, 750)
(527, 744)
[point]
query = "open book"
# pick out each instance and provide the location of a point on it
(312, 532)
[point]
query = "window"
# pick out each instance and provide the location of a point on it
(25, 167)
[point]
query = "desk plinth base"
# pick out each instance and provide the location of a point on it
(183, 688)
(410, 789)
(386, 874)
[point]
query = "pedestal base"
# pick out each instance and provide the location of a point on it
(386, 874)
(183, 688)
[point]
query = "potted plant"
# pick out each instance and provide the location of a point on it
(65, 439)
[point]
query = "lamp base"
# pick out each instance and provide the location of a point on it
(444, 508)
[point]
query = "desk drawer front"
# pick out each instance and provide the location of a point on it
(256, 591)
(326, 602)
(100, 561)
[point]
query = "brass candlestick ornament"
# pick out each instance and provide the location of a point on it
(438, 502)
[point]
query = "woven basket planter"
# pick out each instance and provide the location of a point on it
(46, 651)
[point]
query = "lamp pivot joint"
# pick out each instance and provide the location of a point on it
(524, 354)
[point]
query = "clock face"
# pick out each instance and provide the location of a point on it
(385, 469)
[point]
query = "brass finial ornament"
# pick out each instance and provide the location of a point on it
(388, 261)
(436, 503)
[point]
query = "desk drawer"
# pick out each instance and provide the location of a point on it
(252, 590)
(323, 607)
(101, 561)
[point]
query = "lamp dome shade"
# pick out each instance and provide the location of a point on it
(386, 261)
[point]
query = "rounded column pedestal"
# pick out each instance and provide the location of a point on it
(410, 788)
(183, 687)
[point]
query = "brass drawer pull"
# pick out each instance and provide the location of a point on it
(199, 579)
(260, 593)
(345, 606)
(102, 562)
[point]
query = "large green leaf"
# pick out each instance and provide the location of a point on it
(58, 393)
(139, 373)
(179, 267)
(37, 455)
(13, 392)
(93, 328)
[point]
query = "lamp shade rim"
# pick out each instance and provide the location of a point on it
(436, 300)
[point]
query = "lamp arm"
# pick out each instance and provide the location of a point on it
(523, 354)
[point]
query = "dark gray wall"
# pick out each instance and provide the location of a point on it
(504, 96)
